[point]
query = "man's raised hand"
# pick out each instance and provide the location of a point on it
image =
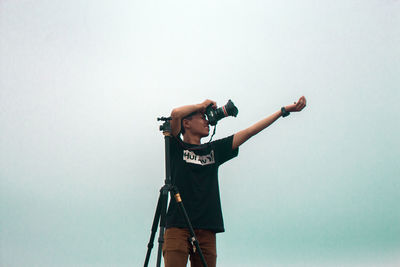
(297, 106)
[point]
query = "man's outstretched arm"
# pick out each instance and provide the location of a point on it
(244, 135)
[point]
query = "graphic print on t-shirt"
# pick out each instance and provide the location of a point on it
(191, 157)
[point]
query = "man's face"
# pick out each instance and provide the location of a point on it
(199, 125)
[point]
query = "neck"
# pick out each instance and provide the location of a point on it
(190, 139)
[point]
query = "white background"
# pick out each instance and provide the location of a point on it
(82, 159)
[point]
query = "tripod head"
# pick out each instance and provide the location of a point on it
(166, 126)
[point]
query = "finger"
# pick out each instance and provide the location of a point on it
(304, 101)
(301, 100)
(302, 105)
(299, 104)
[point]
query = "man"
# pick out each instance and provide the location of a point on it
(194, 170)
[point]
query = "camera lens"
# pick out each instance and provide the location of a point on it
(214, 115)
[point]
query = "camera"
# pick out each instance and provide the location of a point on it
(214, 115)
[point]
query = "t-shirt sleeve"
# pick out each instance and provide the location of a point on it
(224, 151)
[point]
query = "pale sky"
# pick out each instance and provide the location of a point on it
(82, 158)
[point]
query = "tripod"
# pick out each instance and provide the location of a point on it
(161, 210)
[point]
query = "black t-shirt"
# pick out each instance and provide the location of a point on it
(194, 170)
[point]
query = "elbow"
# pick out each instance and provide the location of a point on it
(248, 133)
(175, 113)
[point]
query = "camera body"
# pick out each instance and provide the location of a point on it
(214, 115)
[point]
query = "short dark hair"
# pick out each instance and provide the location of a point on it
(187, 117)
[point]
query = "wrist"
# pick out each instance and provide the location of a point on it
(284, 112)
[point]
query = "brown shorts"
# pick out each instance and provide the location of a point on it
(177, 248)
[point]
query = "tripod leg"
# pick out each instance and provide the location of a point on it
(163, 213)
(161, 206)
(193, 238)
(153, 232)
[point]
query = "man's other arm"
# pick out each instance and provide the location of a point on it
(244, 135)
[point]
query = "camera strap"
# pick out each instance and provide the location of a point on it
(215, 127)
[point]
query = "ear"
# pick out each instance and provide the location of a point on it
(186, 124)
